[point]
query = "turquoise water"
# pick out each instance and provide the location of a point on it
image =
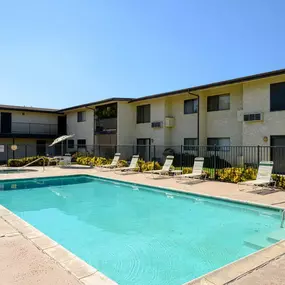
(138, 235)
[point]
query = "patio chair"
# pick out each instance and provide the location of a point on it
(197, 169)
(166, 167)
(113, 164)
(263, 175)
(63, 161)
(132, 167)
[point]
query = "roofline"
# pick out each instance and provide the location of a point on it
(214, 84)
(108, 100)
(27, 109)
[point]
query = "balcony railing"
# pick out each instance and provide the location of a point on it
(32, 129)
(106, 125)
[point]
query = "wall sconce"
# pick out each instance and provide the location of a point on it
(265, 139)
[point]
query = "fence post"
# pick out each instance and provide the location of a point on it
(99, 150)
(25, 150)
(258, 157)
(181, 160)
(215, 162)
(154, 158)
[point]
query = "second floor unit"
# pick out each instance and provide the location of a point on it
(29, 122)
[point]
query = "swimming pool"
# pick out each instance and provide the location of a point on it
(139, 235)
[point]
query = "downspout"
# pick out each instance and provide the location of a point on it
(198, 116)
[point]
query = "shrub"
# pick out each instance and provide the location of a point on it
(123, 163)
(280, 180)
(236, 175)
(24, 161)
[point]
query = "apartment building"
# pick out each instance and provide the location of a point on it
(244, 111)
(31, 129)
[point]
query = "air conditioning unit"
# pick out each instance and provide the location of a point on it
(169, 122)
(253, 117)
(157, 124)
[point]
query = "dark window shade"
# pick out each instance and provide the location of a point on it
(218, 103)
(277, 96)
(191, 106)
(81, 143)
(143, 114)
(70, 143)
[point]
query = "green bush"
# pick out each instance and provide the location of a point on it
(235, 174)
(280, 180)
(24, 161)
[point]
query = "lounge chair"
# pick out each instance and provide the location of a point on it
(113, 164)
(263, 175)
(166, 167)
(62, 161)
(132, 167)
(197, 169)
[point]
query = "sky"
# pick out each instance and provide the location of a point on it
(60, 53)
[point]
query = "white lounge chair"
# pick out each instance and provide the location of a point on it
(62, 161)
(113, 164)
(166, 167)
(132, 167)
(263, 175)
(197, 169)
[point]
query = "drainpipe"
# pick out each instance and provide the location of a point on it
(93, 109)
(198, 116)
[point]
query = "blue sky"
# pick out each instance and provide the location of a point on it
(59, 53)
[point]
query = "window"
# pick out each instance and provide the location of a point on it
(143, 114)
(81, 143)
(81, 116)
(221, 144)
(218, 102)
(277, 96)
(70, 143)
(189, 144)
(191, 106)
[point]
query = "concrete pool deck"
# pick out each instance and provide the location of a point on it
(20, 246)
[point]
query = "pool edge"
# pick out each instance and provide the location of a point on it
(81, 270)
(223, 275)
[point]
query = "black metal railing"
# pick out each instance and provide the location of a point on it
(32, 129)
(215, 157)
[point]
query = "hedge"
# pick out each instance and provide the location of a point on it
(24, 161)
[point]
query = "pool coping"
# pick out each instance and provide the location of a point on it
(88, 275)
(81, 270)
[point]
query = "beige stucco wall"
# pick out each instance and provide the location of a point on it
(256, 98)
(224, 123)
(126, 120)
(81, 130)
(144, 130)
(185, 124)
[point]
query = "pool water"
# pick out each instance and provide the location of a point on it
(138, 235)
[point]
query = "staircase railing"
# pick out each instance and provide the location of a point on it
(30, 163)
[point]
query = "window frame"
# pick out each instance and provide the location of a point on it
(190, 147)
(81, 145)
(72, 144)
(272, 86)
(193, 111)
(82, 118)
(142, 117)
(211, 147)
(217, 97)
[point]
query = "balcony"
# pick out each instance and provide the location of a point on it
(19, 129)
(106, 126)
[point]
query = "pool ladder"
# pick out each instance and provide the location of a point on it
(282, 219)
(34, 162)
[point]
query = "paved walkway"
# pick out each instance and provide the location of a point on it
(21, 262)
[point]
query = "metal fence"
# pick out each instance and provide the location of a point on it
(216, 157)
